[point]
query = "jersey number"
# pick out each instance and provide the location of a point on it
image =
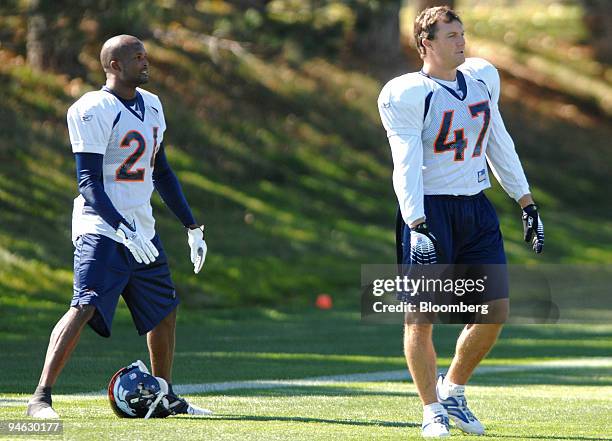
(460, 142)
(125, 172)
(475, 110)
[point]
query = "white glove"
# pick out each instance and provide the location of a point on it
(195, 239)
(141, 248)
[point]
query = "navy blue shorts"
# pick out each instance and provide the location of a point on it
(469, 240)
(105, 269)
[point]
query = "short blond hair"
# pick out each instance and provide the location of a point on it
(426, 24)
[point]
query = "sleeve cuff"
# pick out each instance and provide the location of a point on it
(80, 147)
(521, 193)
(414, 216)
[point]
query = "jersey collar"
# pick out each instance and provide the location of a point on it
(460, 81)
(135, 105)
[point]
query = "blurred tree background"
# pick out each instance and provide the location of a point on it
(54, 33)
(275, 135)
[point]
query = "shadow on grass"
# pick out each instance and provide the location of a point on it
(324, 391)
(583, 376)
(554, 437)
(311, 420)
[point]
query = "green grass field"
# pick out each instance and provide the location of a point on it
(519, 394)
(281, 153)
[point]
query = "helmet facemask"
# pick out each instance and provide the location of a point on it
(135, 393)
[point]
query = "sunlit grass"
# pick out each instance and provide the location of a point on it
(265, 344)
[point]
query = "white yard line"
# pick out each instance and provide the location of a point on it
(396, 375)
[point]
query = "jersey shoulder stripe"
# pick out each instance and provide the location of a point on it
(481, 70)
(150, 98)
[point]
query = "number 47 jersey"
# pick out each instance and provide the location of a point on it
(128, 133)
(442, 135)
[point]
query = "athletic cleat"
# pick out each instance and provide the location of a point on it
(180, 406)
(455, 403)
(435, 424)
(41, 410)
(436, 428)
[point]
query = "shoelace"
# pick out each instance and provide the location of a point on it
(440, 419)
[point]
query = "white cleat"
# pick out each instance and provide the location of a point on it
(179, 406)
(435, 423)
(197, 411)
(455, 403)
(41, 411)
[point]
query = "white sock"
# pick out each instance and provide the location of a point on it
(433, 409)
(450, 389)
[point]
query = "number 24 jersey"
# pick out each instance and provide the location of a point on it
(128, 133)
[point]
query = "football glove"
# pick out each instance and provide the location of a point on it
(533, 227)
(195, 239)
(423, 245)
(141, 248)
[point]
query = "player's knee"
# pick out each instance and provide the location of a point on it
(171, 317)
(167, 324)
(497, 313)
(169, 321)
(417, 331)
(83, 313)
(416, 338)
(419, 318)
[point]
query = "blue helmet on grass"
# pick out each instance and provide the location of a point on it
(135, 393)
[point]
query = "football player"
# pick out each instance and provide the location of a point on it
(117, 136)
(443, 125)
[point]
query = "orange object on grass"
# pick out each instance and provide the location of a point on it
(324, 301)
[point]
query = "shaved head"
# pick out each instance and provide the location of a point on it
(118, 48)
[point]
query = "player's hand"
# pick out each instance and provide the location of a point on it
(533, 227)
(195, 238)
(141, 248)
(423, 245)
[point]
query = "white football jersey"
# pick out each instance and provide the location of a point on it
(128, 133)
(441, 137)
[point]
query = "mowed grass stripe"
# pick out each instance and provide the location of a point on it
(328, 380)
(350, 411)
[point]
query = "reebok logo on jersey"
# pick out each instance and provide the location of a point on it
(481, 175)
(86, 118)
